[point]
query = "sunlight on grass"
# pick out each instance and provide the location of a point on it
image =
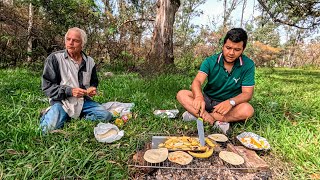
(287, 113)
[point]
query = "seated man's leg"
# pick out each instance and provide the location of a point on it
(54, 118)
(185, 98)
(94, 111)
(240, 112)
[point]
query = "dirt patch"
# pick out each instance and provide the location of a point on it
(279, 169)
(221, 174)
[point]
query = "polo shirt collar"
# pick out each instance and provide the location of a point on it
(84, 56)
(238, 62)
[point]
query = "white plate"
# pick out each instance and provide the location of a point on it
(247, 143)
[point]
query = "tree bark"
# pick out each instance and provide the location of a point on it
(243, 8)
(29, 48)
(162, 45)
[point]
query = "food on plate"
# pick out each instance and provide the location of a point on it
(183, 143)
(156, 155)
(107, 134)
(180, 157)
(231, 158)
(210, 143)
(218, 137)
(206, 154)
(253, 141)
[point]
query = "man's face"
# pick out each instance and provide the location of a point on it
(73, 42)
(231, 50)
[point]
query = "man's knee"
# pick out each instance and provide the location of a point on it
(181, 95)
(53, 118)
(106, 115)
(100, 113)
(247, 110)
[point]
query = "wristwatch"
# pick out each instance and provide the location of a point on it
(232, 102)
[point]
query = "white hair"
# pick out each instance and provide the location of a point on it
(83, 35)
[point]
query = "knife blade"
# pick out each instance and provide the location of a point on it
(200, 131)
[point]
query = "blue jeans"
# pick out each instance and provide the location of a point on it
(56, 116)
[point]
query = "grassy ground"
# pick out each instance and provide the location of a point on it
(287, 104)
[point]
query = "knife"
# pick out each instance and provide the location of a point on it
(200, 130)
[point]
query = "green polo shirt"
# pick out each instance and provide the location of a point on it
(222, 85)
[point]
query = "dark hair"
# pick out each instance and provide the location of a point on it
(236, 35)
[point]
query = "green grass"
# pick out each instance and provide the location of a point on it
(287, 107)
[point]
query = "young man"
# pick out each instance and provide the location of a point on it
(229, 88)
(70, 79)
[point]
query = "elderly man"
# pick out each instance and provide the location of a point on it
(70, 81)
(229, 88)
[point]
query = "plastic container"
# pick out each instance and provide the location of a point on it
(171, 113)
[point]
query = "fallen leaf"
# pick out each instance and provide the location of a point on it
(315, 176)
(12, 151)
(58, 131)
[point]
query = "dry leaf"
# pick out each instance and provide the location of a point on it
(12, 151)
(315, 176)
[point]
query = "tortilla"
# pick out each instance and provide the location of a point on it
(156, 155)
(218, 137)
(107, 134)
(180, 157)
(231, 158)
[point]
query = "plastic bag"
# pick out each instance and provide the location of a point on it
(107, 133)
(171, 113)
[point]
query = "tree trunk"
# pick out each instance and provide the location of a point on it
(243, 8)
(162, 45)
(224, 16)
(227, 12)
(29, 48)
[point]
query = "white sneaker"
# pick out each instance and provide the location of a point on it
(223, 126)
(186, 116)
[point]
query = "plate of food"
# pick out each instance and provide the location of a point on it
(253, 141)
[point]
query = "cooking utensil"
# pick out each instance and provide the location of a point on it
(200, 131)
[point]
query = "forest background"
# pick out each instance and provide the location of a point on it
(123, 33)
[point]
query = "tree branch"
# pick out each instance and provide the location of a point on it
(287, 22)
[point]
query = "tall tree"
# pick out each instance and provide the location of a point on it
(301, 14)
(162, 45)
(228, 8)
(242, 12)
(29, 47)
(184, 29)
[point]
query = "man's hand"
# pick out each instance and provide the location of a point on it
(199, 105)
(92, 91)
(223, 108)
(78, 92)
